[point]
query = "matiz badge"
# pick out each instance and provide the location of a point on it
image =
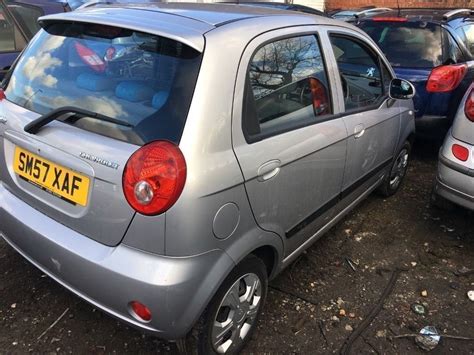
(100, 161)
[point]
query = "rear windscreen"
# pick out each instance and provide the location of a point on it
(143, 80)
(407, 44)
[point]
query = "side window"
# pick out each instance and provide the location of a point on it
(9, 35)
(27, 16)
(359, 70)
(287, 86)
(467, 35)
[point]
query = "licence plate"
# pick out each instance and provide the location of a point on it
(53, 178)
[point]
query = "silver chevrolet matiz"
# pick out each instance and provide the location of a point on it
(163, 162)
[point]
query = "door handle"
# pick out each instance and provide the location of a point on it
(359, 131)
(268, 170)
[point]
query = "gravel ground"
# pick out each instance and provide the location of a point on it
(312, 307)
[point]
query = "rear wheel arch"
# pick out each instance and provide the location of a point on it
(269, 257)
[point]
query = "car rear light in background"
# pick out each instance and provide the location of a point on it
(446, 78)
(2, 95)
(389, 19)
(140, 311)
(469, 106)
(154, 177)
(460, 152)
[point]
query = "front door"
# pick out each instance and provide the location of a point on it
(372, 119)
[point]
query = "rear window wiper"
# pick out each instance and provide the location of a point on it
(34, 126)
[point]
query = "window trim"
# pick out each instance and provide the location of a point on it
(253, 138)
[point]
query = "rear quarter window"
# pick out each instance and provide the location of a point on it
(142, 79)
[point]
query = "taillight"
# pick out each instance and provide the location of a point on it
(469, 106)
(154, 177)
(460, 152)
(446, 77)
(2, 95)
(389, 19)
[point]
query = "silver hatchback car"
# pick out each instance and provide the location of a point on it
(163, 162)
(455, 178)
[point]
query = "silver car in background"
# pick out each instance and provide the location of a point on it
(455, 177)
(163, 162)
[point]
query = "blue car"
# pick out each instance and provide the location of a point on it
(18, 24)
(434, 49)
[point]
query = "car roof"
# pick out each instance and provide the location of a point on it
(184, 22)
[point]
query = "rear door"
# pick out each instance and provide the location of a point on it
(371, 118)
(292, 158)
(71, 168)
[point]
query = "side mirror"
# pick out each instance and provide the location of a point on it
(319, 97)
(401, 89)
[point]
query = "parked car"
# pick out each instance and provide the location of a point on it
(19, 24)
(354, 14)
(434, 50)
(165, 173)
(455, 178)
(279, 5)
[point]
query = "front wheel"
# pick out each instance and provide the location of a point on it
(394, 178)
(231, 317)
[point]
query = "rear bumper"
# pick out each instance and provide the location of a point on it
(452, 183)
(175, 289)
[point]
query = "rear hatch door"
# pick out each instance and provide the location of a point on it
(71, 168)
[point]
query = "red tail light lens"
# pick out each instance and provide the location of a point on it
(460, 152)
(154, 177)
(389, 19)
(446, 78)
(2, 95)
(469, 106)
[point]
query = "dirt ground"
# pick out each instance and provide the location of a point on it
(432, 249)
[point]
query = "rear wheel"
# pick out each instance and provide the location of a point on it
(231, 317)
(393, 180)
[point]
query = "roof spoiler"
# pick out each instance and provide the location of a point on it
(458, 12)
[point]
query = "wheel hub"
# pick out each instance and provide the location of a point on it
(237, 313)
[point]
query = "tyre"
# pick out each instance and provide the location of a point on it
(231, 317)
(398, 170)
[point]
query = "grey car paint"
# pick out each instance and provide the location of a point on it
(164, 259)
(455, 179)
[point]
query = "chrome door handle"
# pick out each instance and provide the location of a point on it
(268, 170)
(359, 131)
